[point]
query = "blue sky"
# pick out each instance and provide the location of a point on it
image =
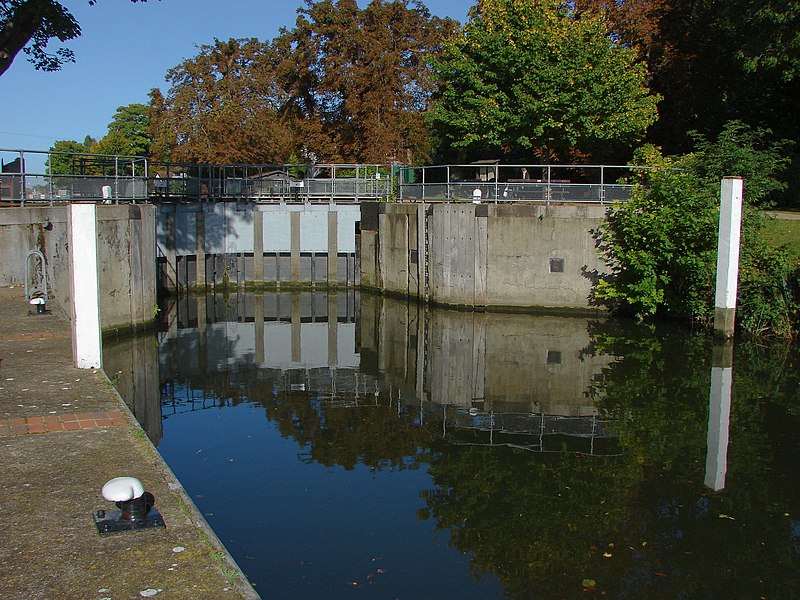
(126, 50)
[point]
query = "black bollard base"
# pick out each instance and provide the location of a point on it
(117, 521)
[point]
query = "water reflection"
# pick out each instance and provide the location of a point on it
(719, 415)
(478, 455)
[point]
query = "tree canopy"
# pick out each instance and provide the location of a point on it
(526, 79)
(712, 62)
(345, 84)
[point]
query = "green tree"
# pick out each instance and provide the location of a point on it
(29, 25)
(661, 246)
(61, 161)
(132, 124)
(713, 62)
(526, 78)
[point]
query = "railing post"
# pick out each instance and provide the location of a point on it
(602, 186)
(549, 188)
(23, 183)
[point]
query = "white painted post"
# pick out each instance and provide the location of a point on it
(719, 416)
(730, 220)
(84, 271)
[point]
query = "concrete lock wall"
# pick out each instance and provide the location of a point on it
(126, 257)
(245, 243)
(483, 255)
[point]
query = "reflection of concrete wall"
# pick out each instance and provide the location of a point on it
(527, 256)
(132, 363)
(125, 249)
(496, 361)
(276, 331)
(536, 361)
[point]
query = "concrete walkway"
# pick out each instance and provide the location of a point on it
(64, 432)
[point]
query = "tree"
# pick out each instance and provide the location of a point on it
(222, 107)
(29, 25)
(527, 78)
(61, 160)
(712, 62)
(361, 78)
(132, 124)
(344, 85)
(661, 246)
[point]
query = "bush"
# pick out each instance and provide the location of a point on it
(661, 247)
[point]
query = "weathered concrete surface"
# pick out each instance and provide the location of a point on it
(487, 255)
(126, 254)
(50, 483)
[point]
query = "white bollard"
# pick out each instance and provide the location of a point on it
(730, 223)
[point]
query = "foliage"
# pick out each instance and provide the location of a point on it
(661, 246)
(526, 78)
(131, 123)
(222, 107)
(712, 62)
(29, 25)
(62, 164)
(361, 78)
(344, 85)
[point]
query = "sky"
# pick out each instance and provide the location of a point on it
(124, 51)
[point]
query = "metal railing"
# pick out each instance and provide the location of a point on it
(272, 183)
(54, 177)
(490, 182)
(58, 177)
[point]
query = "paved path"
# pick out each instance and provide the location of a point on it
(63, 434)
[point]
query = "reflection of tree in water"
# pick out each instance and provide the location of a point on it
(377, 432)
(642, 525)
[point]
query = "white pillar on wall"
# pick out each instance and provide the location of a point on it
(87, 346)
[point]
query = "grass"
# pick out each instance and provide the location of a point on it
(784, 232)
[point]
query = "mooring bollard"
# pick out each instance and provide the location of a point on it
(135, 506)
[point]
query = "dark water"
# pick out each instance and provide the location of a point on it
(354, 447)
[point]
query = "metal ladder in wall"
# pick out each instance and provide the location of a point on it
(36, 291)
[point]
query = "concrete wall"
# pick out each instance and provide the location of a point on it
(126, 254)
(245, 243)
(485, 255)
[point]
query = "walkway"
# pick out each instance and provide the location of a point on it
(63, 434)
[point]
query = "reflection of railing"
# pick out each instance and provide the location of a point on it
(597, 184)
(349, 388)
(528, 431)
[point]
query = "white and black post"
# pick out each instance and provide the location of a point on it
(730, 225)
